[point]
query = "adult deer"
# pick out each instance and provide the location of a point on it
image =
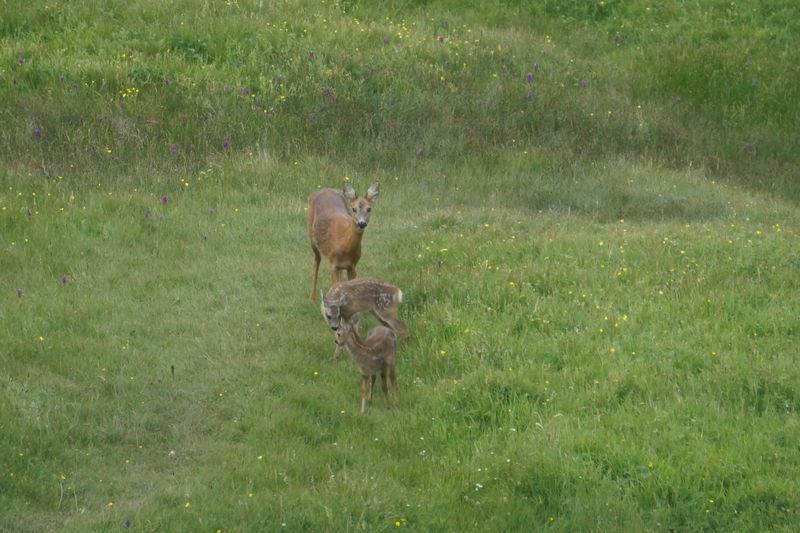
(377, 354)
(346, 300)
(336, 223)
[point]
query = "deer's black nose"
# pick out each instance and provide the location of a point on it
(362, 225)
(334, 328)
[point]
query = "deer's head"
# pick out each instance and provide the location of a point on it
(361, 208)
(332, 311)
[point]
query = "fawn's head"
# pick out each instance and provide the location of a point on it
(345, 328)
(361, 208)
(340, 335)
(332, 311)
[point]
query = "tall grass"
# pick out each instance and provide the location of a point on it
(711, 85)
(598, 258)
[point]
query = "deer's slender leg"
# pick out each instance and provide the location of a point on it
(315, 271)
(389, 320)
(364, 385)
(393, 377)
(385, 388)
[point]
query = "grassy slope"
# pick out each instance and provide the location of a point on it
(598, 341)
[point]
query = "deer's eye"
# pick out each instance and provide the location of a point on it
(369, 210)
(354, 210)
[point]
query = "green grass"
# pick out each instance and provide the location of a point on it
(603, 306)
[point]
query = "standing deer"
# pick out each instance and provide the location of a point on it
(336, 223)
(346, 300)
(377, 354)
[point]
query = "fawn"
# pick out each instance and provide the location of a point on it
(345, 301)
(377, 354)
(336, 223)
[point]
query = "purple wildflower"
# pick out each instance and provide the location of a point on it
(385, 41)
(529, 77)
(64, 279)
(617, 38)
(167, 81)
(312, 55)
(173, 149)
(29, 213)
(128, 522)
(530, 96)
(421, 152)
(20, 292)
(754, 82)
(749, 147)
(584, 84)
(226, 145)
(38, 132)
(147, 213)
(441, 39)
(165, 199)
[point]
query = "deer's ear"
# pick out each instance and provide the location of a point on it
(349, 192)
(373, 191)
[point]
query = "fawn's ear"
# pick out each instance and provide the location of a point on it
(373, 191)
(349, 192)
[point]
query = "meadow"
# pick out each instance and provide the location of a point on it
(591, 207)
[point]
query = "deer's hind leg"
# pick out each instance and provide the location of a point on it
(315, 272)
(364, 392)
(390, 320)
(393, 378)
(385, 388)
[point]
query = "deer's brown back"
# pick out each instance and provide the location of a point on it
(330, 225)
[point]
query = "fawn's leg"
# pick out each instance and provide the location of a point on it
(371, 387)
(393, 377)
(364, 386)
(391, 321)
(385, 388)
(351, 273)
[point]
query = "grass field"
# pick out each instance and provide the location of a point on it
(591, 207)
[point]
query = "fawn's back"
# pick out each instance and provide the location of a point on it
(348, 298)
(373, 355)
